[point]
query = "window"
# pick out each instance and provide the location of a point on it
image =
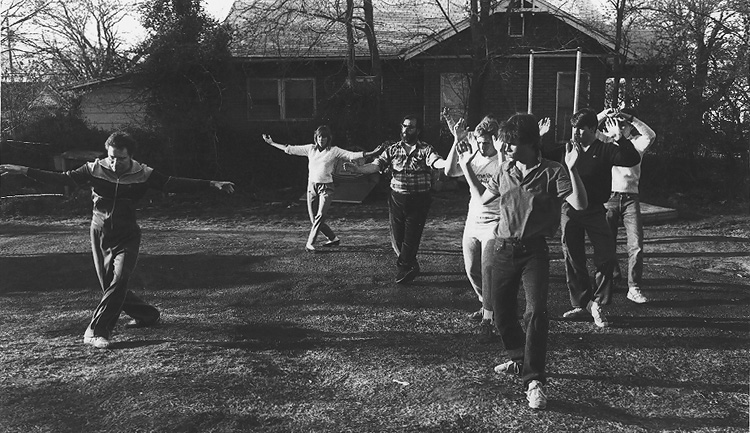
(566, 82)
(516, 25)
(281, 99)
(454, 93)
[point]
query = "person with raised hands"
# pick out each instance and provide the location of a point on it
(530, 191)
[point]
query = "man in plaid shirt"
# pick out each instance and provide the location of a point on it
(411, 162)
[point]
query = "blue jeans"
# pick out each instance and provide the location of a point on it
(528, 262)
(319, 198)
(575, 226)
(408, 215)
(626, 207)
(478, 248)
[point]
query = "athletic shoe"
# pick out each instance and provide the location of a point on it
(134, 323)
(96, 341)
(510, 367)
(309, 248)
(486, 332)
(577, 313)
(535, 395)
(635, 295)
(333, 242)
(476, 316)
(600, 319)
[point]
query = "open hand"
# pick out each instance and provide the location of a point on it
(12, 169)
(445, 113)
(612, 128)
(459, 130)
(267, 138)
(466, 153)
(572, 152)
(544, 125)
(227, 187)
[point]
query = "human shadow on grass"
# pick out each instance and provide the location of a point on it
(674, 284)
(586, 341)
(60, 272)
(597, 412)
(691, 239)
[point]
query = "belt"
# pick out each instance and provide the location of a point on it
(520, 244)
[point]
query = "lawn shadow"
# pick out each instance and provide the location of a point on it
(598, 412)
(587, 341)
(60, 272)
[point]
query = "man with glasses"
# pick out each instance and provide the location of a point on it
(411, 162)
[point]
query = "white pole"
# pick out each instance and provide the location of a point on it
(578, 80)
(531, 80)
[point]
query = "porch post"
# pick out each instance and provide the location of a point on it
(531, 80)
(578, 80)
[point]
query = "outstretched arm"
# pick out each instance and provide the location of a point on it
(267, 138)
(52, 177)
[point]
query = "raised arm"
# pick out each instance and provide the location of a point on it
(578, 198)
(647, 134)
(459, 132)
(477, 190)
(624, 154)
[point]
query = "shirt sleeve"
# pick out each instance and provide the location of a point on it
(303, 150)
(78, 177)
(347, 154)
(166, 183)
(563, 184)
(384, 160)
(432, 156)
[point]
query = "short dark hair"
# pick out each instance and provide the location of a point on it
(122, 140)
(417, 122)
(521, 129)
(323, 131)
(583, 118)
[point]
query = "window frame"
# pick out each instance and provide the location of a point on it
(281, 97)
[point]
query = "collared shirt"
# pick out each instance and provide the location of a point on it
(530, 204)
(411, 172)
(321, 163)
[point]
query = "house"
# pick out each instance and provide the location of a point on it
(291, 61)
(112, 103)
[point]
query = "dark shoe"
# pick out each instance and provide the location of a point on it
(407, 275)
(477, 316)
(486, 332)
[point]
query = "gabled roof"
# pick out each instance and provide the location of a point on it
(281, 29)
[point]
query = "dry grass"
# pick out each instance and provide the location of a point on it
(260, 336)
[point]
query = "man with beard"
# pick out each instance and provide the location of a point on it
(411, 162)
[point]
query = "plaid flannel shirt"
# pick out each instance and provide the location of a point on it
(412, 172)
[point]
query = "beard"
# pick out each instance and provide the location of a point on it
(408, 136)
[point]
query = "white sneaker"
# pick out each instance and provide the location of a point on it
(535, 395)
(96, 341)
(333, 242)
(635, 295)
(597, 312)
(509, 367)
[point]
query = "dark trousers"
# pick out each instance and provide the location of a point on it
(576, 225)
(515, 262)
(115, 256)
(408, 214)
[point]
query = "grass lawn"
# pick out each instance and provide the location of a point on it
(259, 335)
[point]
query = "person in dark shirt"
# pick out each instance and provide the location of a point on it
(595, 167)
(117, 182)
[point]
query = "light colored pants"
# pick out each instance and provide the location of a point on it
(319, 198)
(478, 243)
